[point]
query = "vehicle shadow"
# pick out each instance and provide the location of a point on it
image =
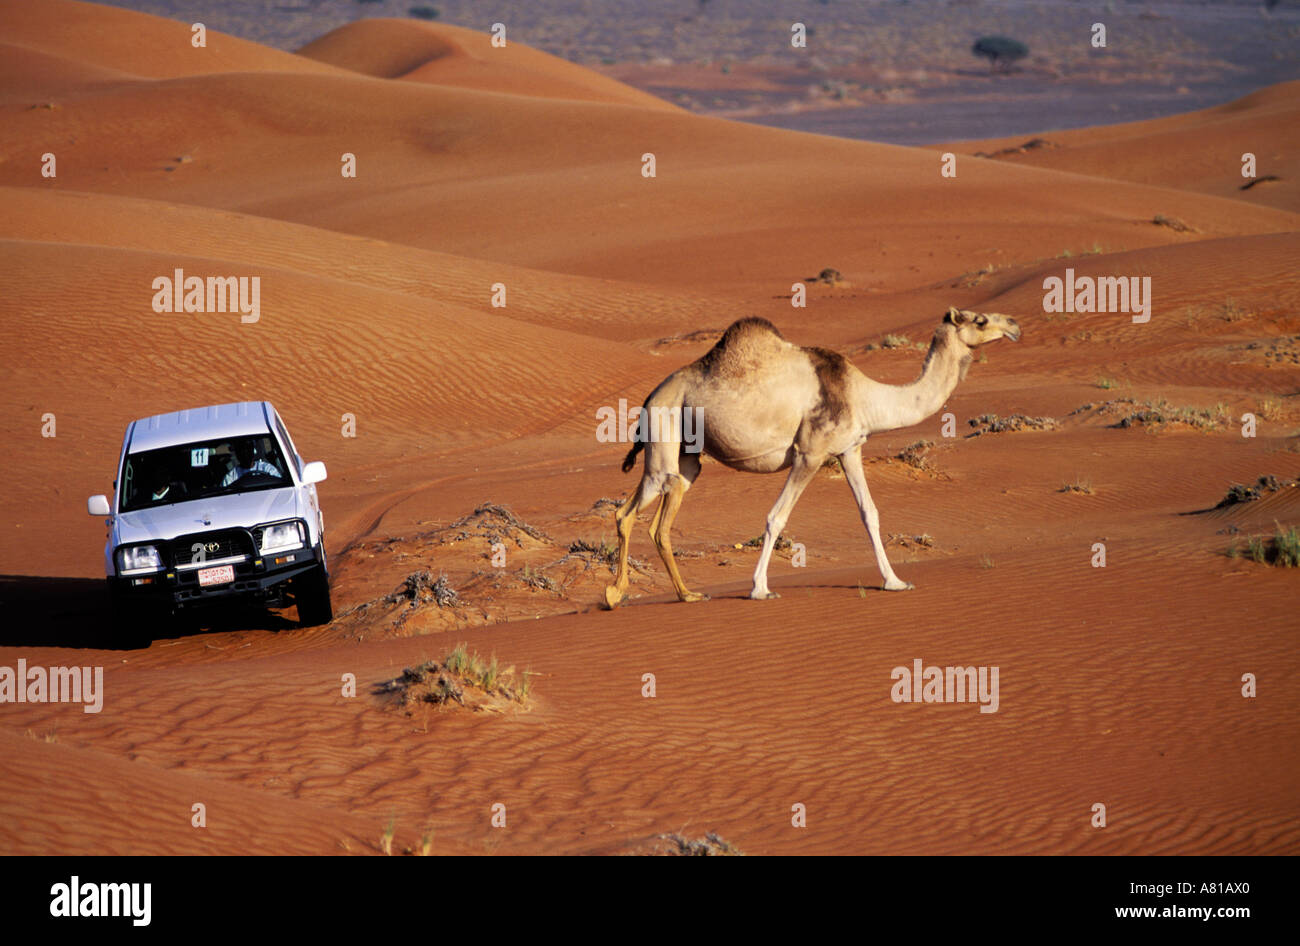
(76, 612)
(53, 612)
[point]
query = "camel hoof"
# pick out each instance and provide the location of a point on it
(694, 596)
(763, 596)
(614, 597)
(899, 586)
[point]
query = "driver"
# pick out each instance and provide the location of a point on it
(246, 462)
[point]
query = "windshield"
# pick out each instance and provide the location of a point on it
(195, 470)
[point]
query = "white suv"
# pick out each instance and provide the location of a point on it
(213, 505)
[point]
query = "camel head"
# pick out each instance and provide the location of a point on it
(980, 328)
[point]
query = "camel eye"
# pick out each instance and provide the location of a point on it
(981, 320)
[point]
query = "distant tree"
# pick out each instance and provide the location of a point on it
(1000, 50)
(425, 13)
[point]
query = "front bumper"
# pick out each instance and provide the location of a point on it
(259, 579)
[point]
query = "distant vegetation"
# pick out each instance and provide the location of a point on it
(1080, 485)
(1000, 50)
(425, 13)
(1239, 493)
(993, 424)
(1270, 408)
(1157, 413)
(711, 845)
(916, 455)
(1173, 223)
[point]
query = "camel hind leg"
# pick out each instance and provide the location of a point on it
(668, 486)
(625, 519)
(662, 526)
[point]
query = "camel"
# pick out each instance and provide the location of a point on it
(763, 405)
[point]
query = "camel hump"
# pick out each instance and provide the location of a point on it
(743, 345)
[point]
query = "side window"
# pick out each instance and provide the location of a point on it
(284, 439)
(127, 488)
(119, 481)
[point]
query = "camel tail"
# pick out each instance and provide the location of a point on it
(638, 444)
(629, 461)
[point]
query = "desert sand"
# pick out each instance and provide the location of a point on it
(1120, 685)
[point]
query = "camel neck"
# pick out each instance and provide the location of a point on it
(893, 406)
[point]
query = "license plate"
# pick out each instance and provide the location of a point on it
(216, 576)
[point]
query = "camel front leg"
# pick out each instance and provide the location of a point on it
(801, 474)
(851, 461)
(661, 532)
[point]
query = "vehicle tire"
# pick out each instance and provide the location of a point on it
(313, 597)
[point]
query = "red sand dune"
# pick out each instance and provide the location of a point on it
(1120, 684)
(1200, 151)
(89, 35)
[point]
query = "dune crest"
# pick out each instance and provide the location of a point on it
(439, 54)
(136, 44)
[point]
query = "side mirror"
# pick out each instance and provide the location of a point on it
(313, 472)
(98, 506)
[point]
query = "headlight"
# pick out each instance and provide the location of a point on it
(281, 537)
(139, 558)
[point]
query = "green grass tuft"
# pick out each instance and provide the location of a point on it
(1281, 549)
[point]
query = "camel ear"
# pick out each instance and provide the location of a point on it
(954, 316)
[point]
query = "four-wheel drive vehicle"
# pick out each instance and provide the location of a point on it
(213, 505)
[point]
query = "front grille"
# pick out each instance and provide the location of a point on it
(211, 546)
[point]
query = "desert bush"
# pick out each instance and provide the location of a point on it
(1000, 50)
(462, 677)
(711, 845)
(992, 424)
(1080, 485)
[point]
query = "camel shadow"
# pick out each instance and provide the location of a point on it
(43, 611)
(742, 594)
